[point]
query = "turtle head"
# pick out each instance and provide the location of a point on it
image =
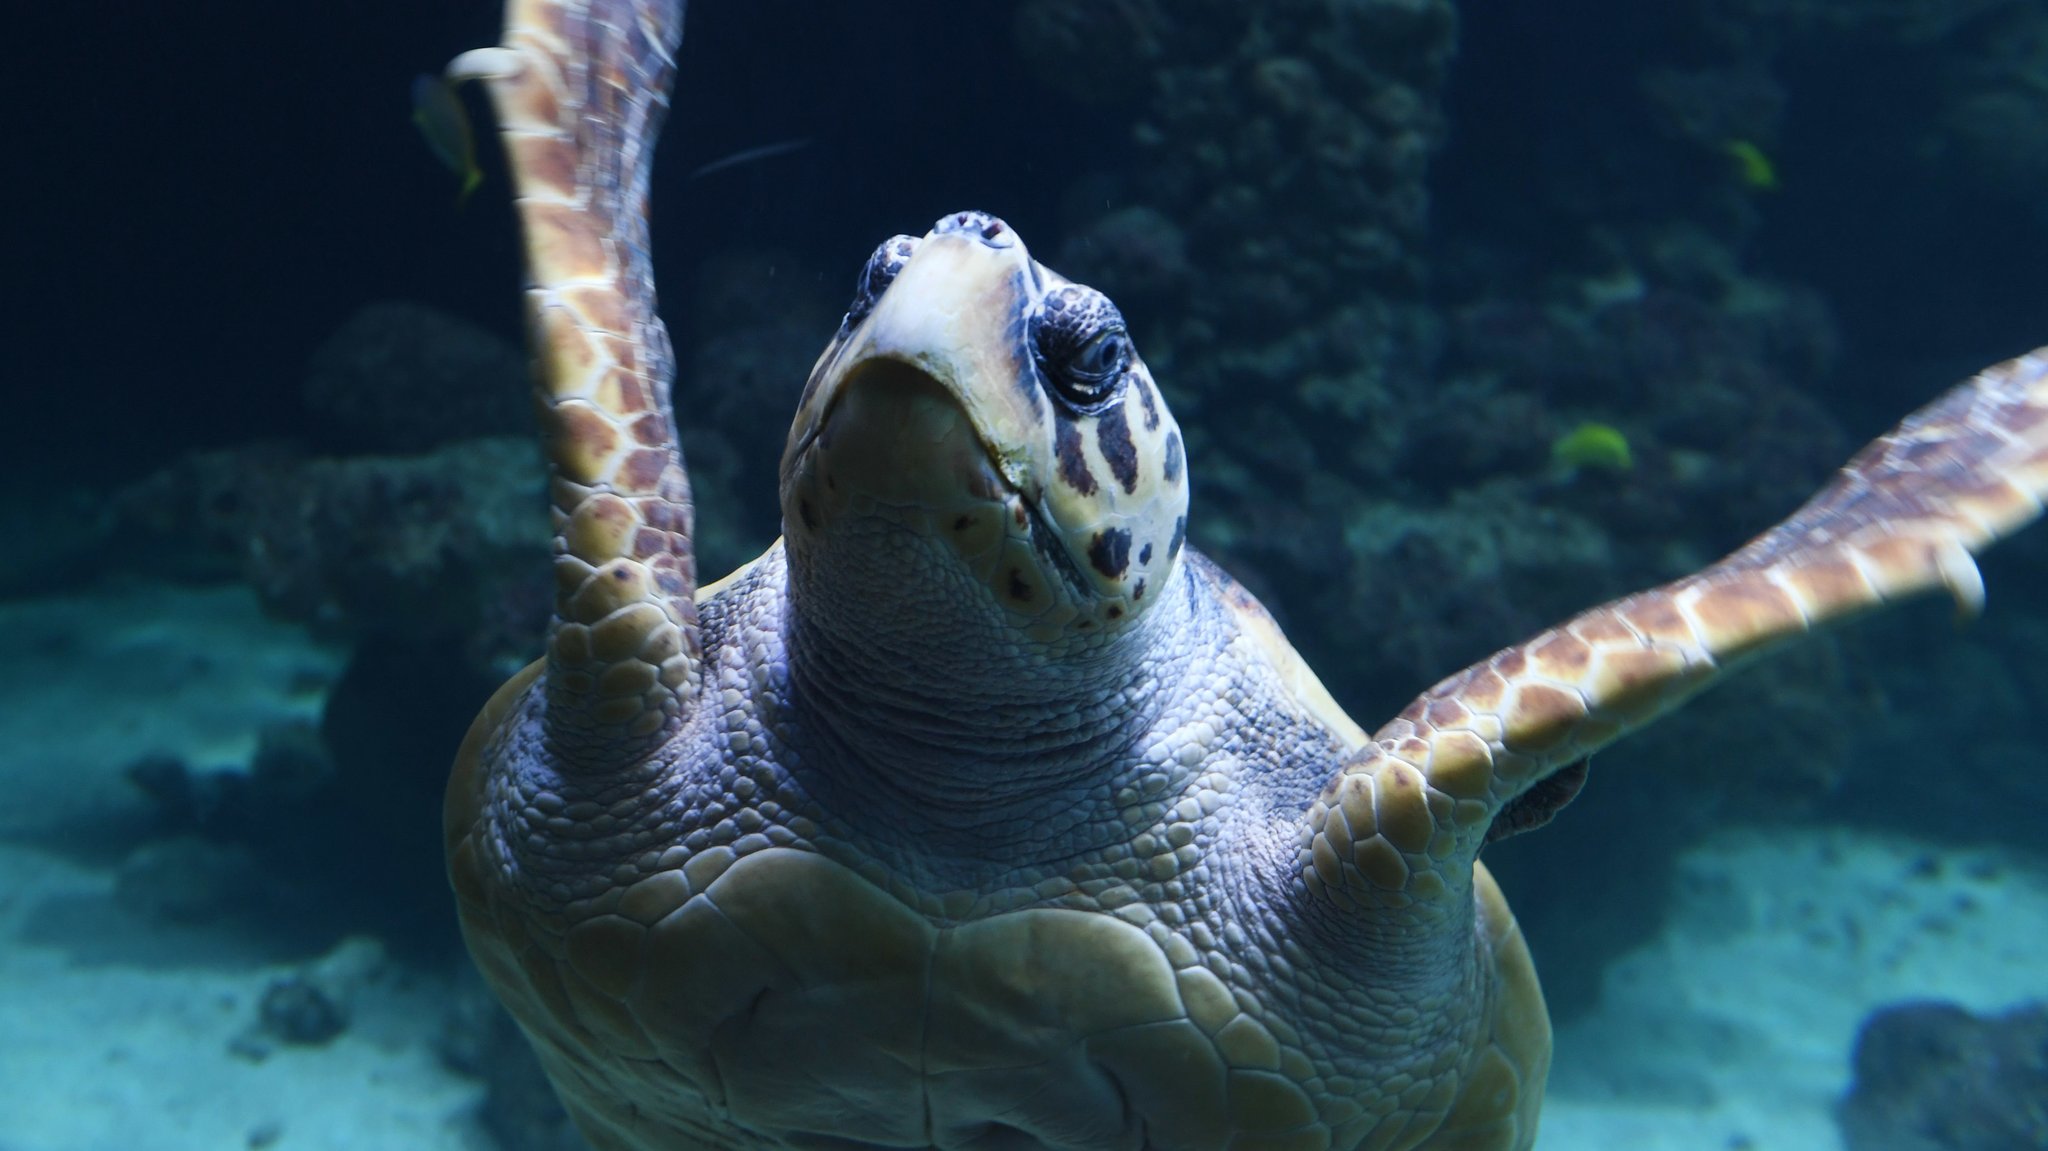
(981, 420)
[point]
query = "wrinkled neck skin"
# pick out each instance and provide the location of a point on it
(934, 702)
(925, 711)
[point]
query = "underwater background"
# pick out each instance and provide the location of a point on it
(1473, 314)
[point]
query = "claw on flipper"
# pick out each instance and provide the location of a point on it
(482, 64)
(1960, 574)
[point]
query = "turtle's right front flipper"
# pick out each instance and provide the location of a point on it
(581, 88)
(1497, 747)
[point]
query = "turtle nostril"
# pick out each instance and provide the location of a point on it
(988, 229)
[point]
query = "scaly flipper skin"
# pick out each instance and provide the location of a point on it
(1903, 517)
(580, 88)
(980, 813)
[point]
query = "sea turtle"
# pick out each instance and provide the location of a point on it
(981, 812)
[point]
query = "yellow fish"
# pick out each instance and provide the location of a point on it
(438, 113)
(1752, 166)
(1590, 446)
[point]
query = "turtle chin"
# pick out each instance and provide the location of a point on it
(895, 486)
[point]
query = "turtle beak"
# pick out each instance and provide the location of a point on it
(896, 441)
(927, 413)
(950, 332)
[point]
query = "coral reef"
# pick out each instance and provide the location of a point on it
(187, 879)
(311, 1007)
(290, 768)
(1428, 514)
(1768, 23)
(450, 544)
(296, 1011)
(399, 377)
(1934, 1077)
(429, 556)
(1987, 128)
(237, 842)
(1712, 106)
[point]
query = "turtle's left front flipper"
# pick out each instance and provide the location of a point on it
(581, 88)
(1501, 745)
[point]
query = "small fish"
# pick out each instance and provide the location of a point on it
(750, 155)
(1752, 166)
(1592, 447)
(438, 113)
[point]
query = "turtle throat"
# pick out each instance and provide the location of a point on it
(911, 647)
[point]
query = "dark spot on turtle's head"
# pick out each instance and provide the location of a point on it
(1138, 590)
(1173, 457)
(1020, 588)
(963, 522)
(1144, 557)
(1110, 552)
(1066, 444)
(1143, 387)
(809, 516)
(1113, 436)
(1180, 536)
(1114, 612)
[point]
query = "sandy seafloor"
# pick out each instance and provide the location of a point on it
(1732, 1030)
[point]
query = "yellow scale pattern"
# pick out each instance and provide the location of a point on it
(579, 94)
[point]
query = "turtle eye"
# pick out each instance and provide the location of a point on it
(877, 274)
(1082, 346)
